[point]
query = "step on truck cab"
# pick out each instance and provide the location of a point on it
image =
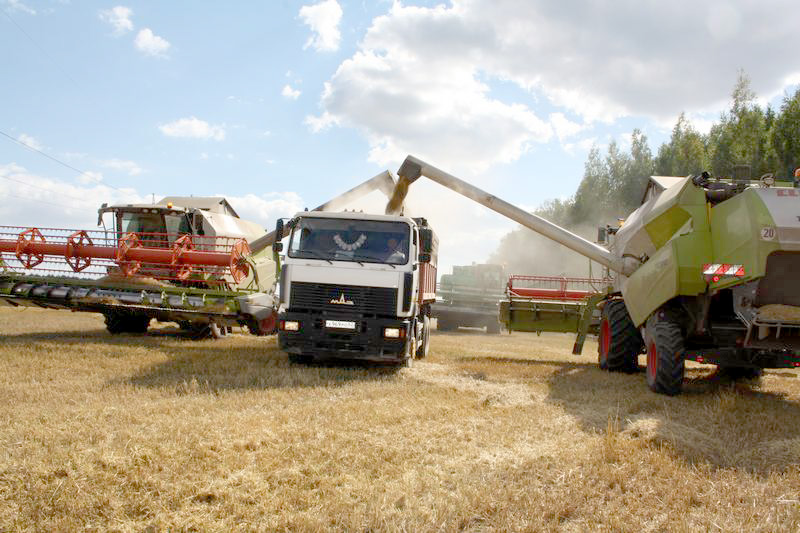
(356, 286)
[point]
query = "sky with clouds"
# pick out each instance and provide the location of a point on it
(283, 105)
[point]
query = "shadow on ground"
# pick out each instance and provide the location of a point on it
(241, 361)
(715, 421)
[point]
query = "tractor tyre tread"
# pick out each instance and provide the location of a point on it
(665, 332)
(625, 343)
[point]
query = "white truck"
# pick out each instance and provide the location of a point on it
(356, 286)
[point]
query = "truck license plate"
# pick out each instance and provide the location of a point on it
(340, 324)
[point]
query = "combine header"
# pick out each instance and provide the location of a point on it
(189, 260)
(559, 304)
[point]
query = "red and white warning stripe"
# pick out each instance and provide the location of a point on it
(713, 272)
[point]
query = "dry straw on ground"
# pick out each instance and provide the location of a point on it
(491, 433)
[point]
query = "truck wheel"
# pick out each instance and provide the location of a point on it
(665, 353)
(422, 349)
(620, 343)
(122, 322)
(493, 327)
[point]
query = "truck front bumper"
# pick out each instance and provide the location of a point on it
(366, 341)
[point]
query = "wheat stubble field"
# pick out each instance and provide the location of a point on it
(490, 433)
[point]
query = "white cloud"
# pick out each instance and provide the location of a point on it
(194, 128)
(421, 78)
(290, 93)
(28, 140)
(323, 18)
(40, 201)
(90, 177)
(129, 167)
(119, 17)
(564, 127)
(150, 44)
(265, 209)
(16, 5)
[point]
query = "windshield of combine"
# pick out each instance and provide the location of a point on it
(365, 241)
(152, 226)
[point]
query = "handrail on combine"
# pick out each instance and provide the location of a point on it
(554, 287)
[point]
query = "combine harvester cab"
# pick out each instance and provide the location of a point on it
(185, 260)
(703, 270)
(469, 297)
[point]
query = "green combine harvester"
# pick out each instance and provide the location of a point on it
(469, 297)
(704, 270)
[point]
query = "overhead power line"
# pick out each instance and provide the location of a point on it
(37, 45)
(48, 156)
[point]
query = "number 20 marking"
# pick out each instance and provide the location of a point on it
(768, 233)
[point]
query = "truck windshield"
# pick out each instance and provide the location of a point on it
(365, 241)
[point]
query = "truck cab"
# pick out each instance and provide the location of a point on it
(357, 286)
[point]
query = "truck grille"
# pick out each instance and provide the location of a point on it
(365, 300)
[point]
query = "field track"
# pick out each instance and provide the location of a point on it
(490, 433)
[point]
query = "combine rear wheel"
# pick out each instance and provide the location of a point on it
(665, 353)
(619, 344)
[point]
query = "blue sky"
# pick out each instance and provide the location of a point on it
(282, 105)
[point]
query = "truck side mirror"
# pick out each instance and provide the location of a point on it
(279, 230)
(602, 235)
(277, 247)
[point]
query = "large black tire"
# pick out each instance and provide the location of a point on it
(665, 353)
(124, 322)
(619, 343)
(422, 349)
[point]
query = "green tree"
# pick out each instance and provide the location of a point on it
(740, 138)
(786, 135)
(684, 154)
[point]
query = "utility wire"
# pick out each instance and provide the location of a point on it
(42, 188)
(37, 45)
(79, 171)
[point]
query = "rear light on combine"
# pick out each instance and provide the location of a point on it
(713, 273)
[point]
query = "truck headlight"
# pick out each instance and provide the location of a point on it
(393, 333)
(290, 325)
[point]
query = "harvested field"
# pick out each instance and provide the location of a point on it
(490, 433)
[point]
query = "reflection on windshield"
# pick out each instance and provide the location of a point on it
(152, 227)
(366, 241)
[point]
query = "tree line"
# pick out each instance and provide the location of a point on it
(765, 140)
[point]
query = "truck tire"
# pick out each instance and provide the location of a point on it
(665, 353)
(125, 322)
(422, 349)
(619, 343)
(298, 359)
